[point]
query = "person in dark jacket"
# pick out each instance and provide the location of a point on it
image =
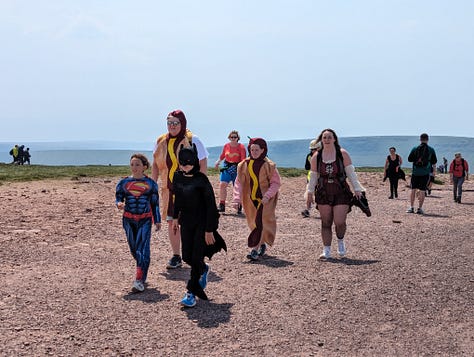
(195, 215)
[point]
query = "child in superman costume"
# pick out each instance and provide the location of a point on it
(137, 196)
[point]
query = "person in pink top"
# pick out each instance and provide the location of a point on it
(256, 188)
(233, 152)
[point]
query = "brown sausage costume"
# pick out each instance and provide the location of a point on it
(255, 177)
(165, 157)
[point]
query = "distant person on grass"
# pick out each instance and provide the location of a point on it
(330, 167)
(232, 153)
(165, 164)
(256, 188)
(424, 161)
(137, 196)
(459, 170)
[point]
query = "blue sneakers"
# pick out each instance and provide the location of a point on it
(203, 278)
(253, 255)
(262, 250)
(189, 300)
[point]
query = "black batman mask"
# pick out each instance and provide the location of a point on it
(188, 156)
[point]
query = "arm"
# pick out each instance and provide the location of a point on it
(221, 157)
(119, 196)
(275, 183)
(351, 174)
(202, 154)
(155, 206)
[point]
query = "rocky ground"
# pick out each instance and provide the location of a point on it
(405, 288)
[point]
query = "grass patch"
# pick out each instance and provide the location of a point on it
(15, 173)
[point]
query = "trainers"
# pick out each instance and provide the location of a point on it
(420, 211)
(411, 210)
(305, 213)
(326, 254)
(203, 278)
(221, 207)
(239, 209)
(138, 286)
(262, 249)
(189, 300)
(174, 262)
(341, 247)
(253, 255)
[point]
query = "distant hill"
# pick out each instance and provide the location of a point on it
(368, 151)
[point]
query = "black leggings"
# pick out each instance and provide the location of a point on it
(393, 185)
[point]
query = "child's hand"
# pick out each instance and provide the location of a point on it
(210, 238)
(175, 226)
(157, 226)
(120, 205)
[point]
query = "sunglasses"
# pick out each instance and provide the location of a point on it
(173, 123)
(233, 137)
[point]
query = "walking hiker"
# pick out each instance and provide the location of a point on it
(459, 170)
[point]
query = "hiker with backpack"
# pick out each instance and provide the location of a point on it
(424, 159)
(459, 171)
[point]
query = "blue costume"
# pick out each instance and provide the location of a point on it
(141, 205)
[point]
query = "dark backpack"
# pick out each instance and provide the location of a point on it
(422, 156)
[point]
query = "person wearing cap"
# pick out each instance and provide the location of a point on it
(195, 216)
(313, 146)
(165, 164)
(256, 188)
(331, 167)
(424, 161)
(232, 153)
(459, 171)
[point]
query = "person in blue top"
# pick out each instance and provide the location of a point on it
(137, 196)
(424, 159)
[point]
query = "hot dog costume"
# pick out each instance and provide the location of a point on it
(257, 178)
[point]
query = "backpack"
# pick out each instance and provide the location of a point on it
(422, 156)
(463, 167)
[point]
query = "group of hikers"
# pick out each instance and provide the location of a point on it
(423, 157)
(180, 193)
(20, 155)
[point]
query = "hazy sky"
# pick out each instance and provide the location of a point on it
(112, 70)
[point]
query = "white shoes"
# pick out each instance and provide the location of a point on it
(138, 286)
(326, 254)
(341, 248)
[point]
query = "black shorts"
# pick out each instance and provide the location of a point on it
(420, 182)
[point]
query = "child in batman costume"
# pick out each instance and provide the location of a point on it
(195, 214)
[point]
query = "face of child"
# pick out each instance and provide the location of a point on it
(137, 167)
(185, 168)
(256, 151)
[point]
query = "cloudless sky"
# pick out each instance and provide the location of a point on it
(112, 69)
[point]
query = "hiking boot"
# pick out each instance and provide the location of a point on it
(189, 300)
(341, 248)
(458, 200)
(390, 197)
(411, 210)
(174, 262)
(221, 207)
(138, 286)
(253, 255)
(420, 211)
(305, 213)
(239, 209)
(262, 249)
(203, 278)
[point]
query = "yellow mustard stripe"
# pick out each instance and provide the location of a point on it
(172, 155)
(254, 178)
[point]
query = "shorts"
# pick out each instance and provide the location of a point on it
(229, 174)
(333, 194)
(419, 182)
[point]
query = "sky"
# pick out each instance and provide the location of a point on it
(112, 70)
